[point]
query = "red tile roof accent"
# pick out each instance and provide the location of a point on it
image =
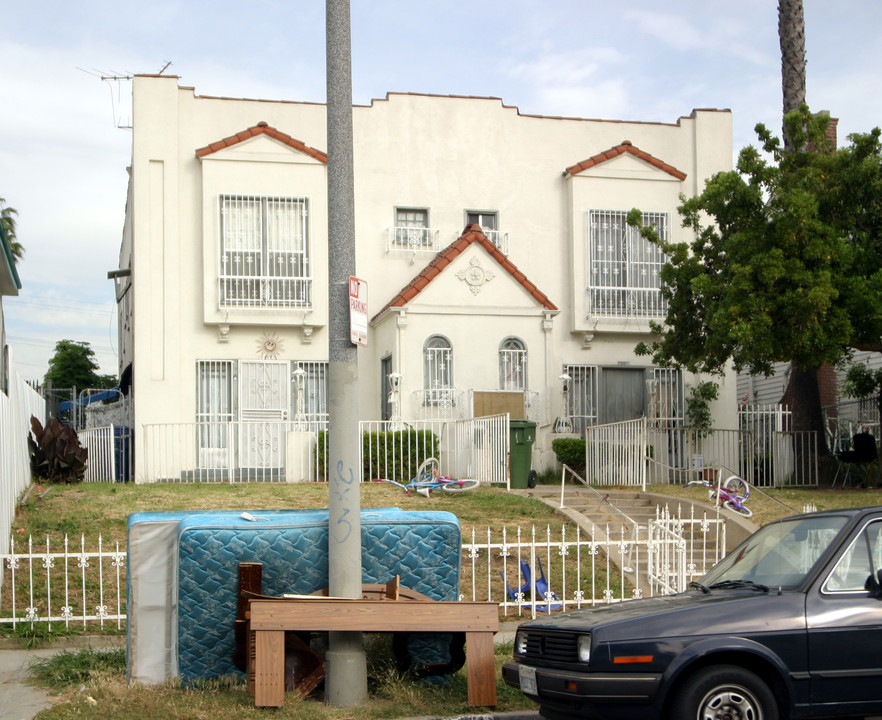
(472, 234)
(625, 147)
(262, 129)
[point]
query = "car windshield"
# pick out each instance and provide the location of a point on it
(777, 555)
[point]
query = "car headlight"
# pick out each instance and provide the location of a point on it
(583, 645)
(520, 644)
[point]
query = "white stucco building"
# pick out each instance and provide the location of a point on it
(493, 245)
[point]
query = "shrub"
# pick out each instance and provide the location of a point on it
(571, 452)
(56, 453)
(396, 454)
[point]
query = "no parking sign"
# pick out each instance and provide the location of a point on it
(358, 317)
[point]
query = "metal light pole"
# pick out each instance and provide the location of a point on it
(346, 664)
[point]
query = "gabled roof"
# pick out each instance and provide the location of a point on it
(262, 129)
(625, 147)
(471, 235)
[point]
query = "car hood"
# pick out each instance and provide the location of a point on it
(690, 613)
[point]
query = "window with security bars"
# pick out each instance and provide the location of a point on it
(310, 393)
(581, 394)
(438, 370)
(489, 223)
(666, 398)
(264, 252)
(624, 269)
(215, 393)
(513, 364)
(412, 227)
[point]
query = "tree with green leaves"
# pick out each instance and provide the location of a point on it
(7, 218)
(73, 366)
(788, 268)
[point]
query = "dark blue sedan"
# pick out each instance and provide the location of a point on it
(788, 625)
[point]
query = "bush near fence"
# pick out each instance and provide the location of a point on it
(393, 455)
(570, 452)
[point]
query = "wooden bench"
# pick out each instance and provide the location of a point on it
(269, 618)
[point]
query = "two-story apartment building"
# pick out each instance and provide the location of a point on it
(499, 267)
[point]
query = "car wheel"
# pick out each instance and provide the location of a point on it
(724, 691)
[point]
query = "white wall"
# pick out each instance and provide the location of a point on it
(442, 153)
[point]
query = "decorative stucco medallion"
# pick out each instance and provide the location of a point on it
(269, 345)
(475, 276)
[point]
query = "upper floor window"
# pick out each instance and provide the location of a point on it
(412, 229)
(624, 269)
(512, 364)
(489, 222)
(264, 252)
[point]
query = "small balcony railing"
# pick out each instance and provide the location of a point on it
(624, 302)
(243, 291)
(428, 240)
(413, 239)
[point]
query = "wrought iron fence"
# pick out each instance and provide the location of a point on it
(528, 571)
(69, 586)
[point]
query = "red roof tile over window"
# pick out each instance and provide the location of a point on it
(262, 129)
(624, 147)
(471, 234)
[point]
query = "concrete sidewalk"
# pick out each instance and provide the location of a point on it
(18, 699)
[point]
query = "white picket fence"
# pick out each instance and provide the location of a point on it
(76, 587)
(17, 406)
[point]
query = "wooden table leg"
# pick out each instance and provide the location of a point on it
(481, 669)
(269, 668)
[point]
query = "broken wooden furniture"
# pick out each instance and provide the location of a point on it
(269, 618)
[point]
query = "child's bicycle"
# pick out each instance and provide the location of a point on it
(733, 494)
(428, 478)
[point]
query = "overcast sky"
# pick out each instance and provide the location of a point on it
(63, 156)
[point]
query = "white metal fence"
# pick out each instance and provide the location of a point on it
(109, 453)
(63, 585)
(765, 452)
(615, 453)
(69, 585)
(292, 451)
(17, 405)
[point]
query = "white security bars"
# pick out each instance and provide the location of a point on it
(580, 389)
(624, 270)
(264, 252)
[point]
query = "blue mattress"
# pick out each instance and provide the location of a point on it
(423, 548)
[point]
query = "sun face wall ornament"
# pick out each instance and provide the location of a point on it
(269, 345)
(475, 276)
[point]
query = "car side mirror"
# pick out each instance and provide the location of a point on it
(874, 583)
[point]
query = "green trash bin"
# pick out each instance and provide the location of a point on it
(522, 434)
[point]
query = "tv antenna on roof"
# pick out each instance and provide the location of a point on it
(114, 82)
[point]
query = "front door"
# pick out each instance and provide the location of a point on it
(623, 394)
(264, 404)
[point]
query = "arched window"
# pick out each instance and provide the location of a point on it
(438, 367)
(512, 364)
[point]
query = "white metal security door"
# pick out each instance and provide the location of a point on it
(264, 403)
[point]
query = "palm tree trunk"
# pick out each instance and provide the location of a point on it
(791, 34)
